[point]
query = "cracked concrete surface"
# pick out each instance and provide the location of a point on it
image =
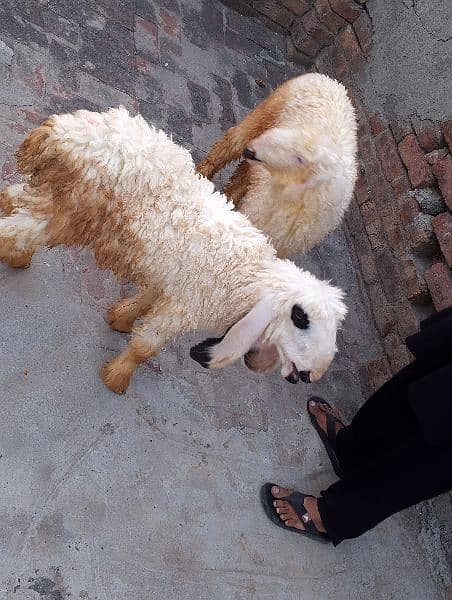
(155, 494)
(411, 60)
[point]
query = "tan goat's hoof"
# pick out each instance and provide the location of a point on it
(115, 376)
(18, 262)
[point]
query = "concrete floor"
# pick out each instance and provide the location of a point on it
(155, 494)
(409, 73)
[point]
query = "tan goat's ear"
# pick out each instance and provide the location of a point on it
(217, 353)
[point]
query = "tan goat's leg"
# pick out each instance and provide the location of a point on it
(159, 325)
(122, 315)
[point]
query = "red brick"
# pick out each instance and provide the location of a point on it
(409, 209)
(374, 375)
(381, 191)
(381, 309)
(303, 41)
(365, 145)
(368, 211)
(356, 97)
(390, 275)
(439, 281)
(433, 157)
(328, 17)
(354, 220)
(315, 28)
(170, 23)
(340, 63)
(428, 133)
(275, 12)
(347, 9)
(443, 173)
(356, 228)
(376, 234)
(362, 192)
(414, 160)
(414, 284)
(298, 7)
(401, 185)
(34, 116)
(447, 132)
(352, 50)
(296, 56)
(389, 157)
(396, 351)
(406, 319)
(9, 171)
(363, 30)
(367, 263)
(401, 129)
(442, 226)
(146, 42)
(323, 62)
(422, 239)
(377, 124)
(394, 232)
(35, 80)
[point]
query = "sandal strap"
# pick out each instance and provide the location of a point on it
(331, 429)
(296, 500)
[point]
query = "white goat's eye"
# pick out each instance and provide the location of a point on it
(299, 318)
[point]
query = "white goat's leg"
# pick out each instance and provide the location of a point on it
(158, 326)
(21, 234)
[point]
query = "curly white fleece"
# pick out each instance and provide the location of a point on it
(172, 231)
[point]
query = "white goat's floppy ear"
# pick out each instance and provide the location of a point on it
(215, 354)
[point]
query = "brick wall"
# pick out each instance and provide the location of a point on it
(400, 220)
(309, 26)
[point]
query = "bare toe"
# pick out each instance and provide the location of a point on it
(285, 511)
(280, 492)
(280, 504)
(295, 523)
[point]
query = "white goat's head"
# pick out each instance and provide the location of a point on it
(294, 325)
(293, 153)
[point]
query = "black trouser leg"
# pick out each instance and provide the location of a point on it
(383, 422)
(400, 478)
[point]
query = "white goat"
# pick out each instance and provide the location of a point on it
(110, 182)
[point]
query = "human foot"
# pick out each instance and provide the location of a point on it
(289, 515)
(327, 423)
(320, 412)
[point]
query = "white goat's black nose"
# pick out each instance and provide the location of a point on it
(292, 377)
(248, 153)
(305, 376)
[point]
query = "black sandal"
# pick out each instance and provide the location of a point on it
(328, 438)
(296, 500)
